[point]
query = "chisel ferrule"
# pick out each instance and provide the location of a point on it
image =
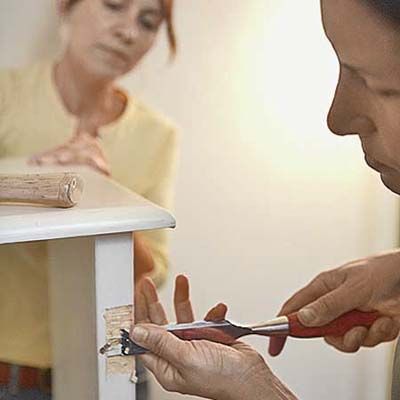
(274, 327)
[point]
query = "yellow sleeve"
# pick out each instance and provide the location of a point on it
(8, 88)
(5, 83)
(3, 89)
(161, 193)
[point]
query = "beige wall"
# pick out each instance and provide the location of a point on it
(266, 196)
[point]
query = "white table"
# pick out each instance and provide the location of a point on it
(91, 258)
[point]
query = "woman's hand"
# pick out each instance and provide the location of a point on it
(368, 284)
(82, 149)
(200, 368)
(143, 259)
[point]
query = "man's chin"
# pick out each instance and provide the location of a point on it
(391, 183)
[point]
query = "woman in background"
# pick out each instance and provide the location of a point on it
(71, 111)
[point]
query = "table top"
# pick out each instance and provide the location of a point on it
(105, 207)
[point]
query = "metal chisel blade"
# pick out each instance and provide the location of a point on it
(221, 332)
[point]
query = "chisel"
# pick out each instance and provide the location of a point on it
(227, 332)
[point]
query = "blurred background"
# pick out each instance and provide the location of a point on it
(266, 197)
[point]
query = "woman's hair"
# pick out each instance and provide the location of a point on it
(390, 9)
(168, 6)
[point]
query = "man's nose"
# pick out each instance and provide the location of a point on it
(350, 112)
(344, 125)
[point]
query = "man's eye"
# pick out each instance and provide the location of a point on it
(388, 92)
(113, 5)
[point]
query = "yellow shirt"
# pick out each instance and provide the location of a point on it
(140, 147)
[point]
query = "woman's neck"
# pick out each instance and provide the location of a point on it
(94, 102)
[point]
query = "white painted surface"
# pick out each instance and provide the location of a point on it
(105, 207)
(91, 270)
(87, 276)
(114, 287)
(73, 318)
(277, 197)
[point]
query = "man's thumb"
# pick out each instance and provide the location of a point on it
(157, 340)
(327, 308)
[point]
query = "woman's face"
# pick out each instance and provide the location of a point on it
(109, 37)
(367, 98)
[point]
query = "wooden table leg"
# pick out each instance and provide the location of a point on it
(87, 275)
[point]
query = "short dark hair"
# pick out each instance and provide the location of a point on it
(390, 9)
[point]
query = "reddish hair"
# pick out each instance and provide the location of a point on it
(168, 7)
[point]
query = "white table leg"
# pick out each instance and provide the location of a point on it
(87, 275)
(114, 287)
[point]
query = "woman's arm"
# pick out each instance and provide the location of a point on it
(161, 192)
(143, 259)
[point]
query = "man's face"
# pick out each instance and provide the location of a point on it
(367, 98)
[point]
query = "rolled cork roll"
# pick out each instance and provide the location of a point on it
(50, 189)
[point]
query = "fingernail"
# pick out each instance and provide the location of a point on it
(307, 315)
(140, 334)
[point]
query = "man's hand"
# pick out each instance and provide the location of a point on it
(368, 284)
(82, 149)
(200, 368)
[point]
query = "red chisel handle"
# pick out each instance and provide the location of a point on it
(338, 327)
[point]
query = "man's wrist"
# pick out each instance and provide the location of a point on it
(264, 385)
(280, 391)
(268, 387)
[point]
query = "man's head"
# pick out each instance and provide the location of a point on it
(366, 37)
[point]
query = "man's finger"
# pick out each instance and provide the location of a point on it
(335, 341)
(317, 288)
(329, 307)
(155, 309)
(160, 342)
(309, 293)
(165, 373)
(183, 307)
(350, 342)
(354, 339)
(384, 329)
(217, 313)
(159, 368)
(276, 345)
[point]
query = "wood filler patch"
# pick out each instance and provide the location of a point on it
(118, 318)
